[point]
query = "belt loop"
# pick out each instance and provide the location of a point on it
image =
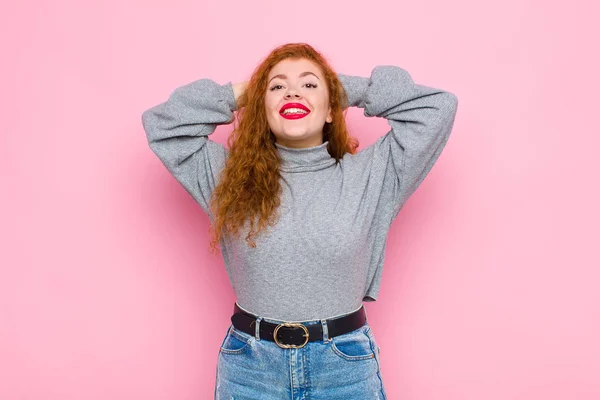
(257, 330)
(325, 331)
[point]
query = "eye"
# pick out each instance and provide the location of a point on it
(275, 87)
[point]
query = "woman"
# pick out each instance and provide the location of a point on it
(300, 216)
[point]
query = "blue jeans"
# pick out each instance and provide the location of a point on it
(343, 367)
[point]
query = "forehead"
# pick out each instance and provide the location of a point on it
(293, 68)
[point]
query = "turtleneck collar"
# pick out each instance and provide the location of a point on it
(304, 159)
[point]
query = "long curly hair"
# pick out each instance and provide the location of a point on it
(249, 188)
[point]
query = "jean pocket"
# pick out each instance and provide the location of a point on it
(236, 341)
(354, 346)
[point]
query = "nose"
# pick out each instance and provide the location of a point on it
(292, 93)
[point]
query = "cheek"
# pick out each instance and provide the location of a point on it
(271, 112)
(271, 102)
(323, 102)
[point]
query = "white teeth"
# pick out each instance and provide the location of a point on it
(294, 111)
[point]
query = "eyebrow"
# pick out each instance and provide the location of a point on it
(282, 76)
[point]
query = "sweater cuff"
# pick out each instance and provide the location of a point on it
(229, 96)
(355, 87)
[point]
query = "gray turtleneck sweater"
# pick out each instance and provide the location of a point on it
(325, 255)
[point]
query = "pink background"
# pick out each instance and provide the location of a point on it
(490, 287)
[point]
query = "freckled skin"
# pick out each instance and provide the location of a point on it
(303, 132)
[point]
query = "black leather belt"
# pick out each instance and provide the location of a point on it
(293, 334)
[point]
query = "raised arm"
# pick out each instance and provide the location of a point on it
(178, 129)
(421, 119)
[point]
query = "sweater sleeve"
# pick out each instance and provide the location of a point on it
(420, 117)
(177, 132)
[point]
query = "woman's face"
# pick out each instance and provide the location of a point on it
(300, 85)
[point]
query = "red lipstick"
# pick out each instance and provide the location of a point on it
(296, 115)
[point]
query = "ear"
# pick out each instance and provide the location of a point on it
(329, 118)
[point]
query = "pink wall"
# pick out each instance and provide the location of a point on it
(107, 286)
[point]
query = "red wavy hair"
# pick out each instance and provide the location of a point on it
(249, 187)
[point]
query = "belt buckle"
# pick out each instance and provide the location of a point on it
(291, 325)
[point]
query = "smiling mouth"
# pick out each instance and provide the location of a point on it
(294, 113)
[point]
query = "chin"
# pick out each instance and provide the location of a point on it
(293, 136)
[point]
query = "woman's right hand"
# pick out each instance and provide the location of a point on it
(238, 89)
